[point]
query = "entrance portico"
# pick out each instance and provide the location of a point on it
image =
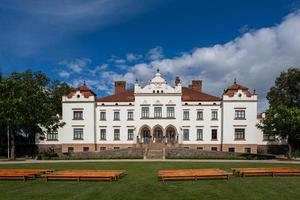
(158, 134)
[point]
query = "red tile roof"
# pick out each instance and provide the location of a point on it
(187, 95)
(234, 89)
(127, 96)
(87, 92)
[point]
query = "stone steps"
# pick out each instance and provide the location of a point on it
(154, 154)
(155, 151)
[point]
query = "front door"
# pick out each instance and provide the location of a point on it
(170, 136)
(146, 136)
(158, 135)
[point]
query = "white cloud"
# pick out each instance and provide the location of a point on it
(255, 59)
(155, 53)
(75, 65)
(120, 61)
(64, 74)
(98, 69)
(131, 57)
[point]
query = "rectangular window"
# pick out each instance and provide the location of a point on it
(145, 112)
(170, 112)
(70, 149)
(247, 150)
(199, 134)
(117, 134)
(231, 149)
(52, 136)
(86, 149)
(157, 112)
(78, 133)
(130, 115)
(239, 134)
(116, 115)
(186, 115)
(214, 148)
(77, 115)
(200, 148)
(102, 134)
(102, 148)
(214, 134)
(130, 134)
(199, 115)
(214, 115)
(103, 115)
(186, 136)
(239, 114)
(116, 147)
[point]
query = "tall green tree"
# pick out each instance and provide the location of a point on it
(286, 91)
(29, 105)
(283, 115)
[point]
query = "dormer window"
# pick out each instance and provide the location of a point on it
(78, 115)
(78, 95)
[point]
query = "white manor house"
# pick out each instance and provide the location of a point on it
(170, 115)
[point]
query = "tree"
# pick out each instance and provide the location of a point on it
(284, 122)
(283, 116)
(286, 91)
(29, 105)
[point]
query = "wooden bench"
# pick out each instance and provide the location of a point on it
(22, 174)
(269, 171)
(192, 174)
(79, 175)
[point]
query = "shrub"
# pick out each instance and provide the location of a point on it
(181, 153)
(130, 153)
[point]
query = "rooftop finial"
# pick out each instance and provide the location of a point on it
(157, 70)
(254, 91)
(234, 81)
(84, 83)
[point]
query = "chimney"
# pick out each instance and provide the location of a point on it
(120, 87)
(197, 85)
(177, 80)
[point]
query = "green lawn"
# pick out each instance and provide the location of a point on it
(142, 183)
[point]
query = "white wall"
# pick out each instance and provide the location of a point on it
(87, 105)
(110, 124)
(249, 104)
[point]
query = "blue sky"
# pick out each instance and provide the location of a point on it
(100, 41)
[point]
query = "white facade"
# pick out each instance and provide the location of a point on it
(159, 113)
